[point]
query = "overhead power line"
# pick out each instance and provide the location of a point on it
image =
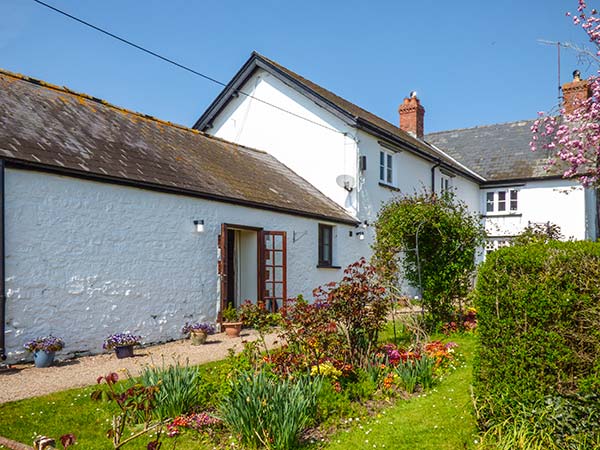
(181, 66)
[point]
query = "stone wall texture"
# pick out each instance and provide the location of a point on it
(86, 259)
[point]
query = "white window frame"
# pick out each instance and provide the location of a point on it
(445, 183)
(492, 244)
(501, 201)
(387, 173)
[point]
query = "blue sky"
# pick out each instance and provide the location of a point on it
(472, 62)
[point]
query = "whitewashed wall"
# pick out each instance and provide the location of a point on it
(317, 153)
(562, 202)
(87, 259)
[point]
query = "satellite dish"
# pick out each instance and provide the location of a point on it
(345, 181)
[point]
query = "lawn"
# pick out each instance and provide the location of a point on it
(438, 419)
(74, 412)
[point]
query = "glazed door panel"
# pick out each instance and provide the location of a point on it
(274, 268)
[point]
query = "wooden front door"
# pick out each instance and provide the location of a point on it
(274, 269)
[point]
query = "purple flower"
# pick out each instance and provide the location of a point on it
(208, 328)
(46, 343)
(120, 340)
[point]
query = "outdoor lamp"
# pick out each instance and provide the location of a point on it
(199, 224)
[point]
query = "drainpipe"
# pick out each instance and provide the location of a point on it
(2, 270)
(435, 166)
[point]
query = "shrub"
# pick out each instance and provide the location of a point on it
(332, 405)
(343, 322)
(269, 412)
(178, 389)
(539, 326)
(434, 239)
(554, 423)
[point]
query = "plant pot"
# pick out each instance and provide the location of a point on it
(125, 351)
(232, 329)
(42, 358)
(198, 337)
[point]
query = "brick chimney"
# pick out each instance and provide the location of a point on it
(575, 92)
(411, 115)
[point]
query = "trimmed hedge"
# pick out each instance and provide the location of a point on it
(538, 308)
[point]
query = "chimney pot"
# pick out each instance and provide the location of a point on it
(575, 92)
(412, 115)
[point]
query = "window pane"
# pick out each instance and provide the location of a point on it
(325, 244)
(268, 241)
(382, 166)
(278, 290)
(489, 202)
(502, 201)
(279, 274)
(278, 241)
(278, 258)
(513, 200)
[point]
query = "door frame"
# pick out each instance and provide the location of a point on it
(223, 269)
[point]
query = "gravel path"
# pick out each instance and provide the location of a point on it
(25, 381)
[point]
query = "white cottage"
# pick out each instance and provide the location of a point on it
(519, 189)
(354, 157)
(360, 160)
(115, 221)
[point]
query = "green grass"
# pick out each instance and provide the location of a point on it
(74, 412)
(440, 419)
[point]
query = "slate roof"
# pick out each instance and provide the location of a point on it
(354, 115)
(52, 128)
(498, 152)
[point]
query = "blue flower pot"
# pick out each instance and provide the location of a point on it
(42, 358)
(125, 351)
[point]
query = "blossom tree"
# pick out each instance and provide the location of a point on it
(574, 136)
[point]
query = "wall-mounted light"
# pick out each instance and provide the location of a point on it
(199, 224)
(360, 234)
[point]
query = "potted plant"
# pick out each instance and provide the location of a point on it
(44, 349)
(232, 323)
(122, 343)
(198, 332)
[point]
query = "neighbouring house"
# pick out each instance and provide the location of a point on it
(116, 221)
(360, 160)
(520, 189)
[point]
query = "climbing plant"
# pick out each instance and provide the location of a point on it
(431, 241)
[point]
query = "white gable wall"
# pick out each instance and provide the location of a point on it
(87, 259)
(319, 155)
(316, 153)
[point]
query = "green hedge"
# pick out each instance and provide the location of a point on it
(538, 309)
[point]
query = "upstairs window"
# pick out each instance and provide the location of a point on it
(502, 202)
(325, 245)
(386, 167)
(445, 184)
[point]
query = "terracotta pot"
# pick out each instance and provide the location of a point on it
(232, 329)
(125, 351)
(198, 337)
